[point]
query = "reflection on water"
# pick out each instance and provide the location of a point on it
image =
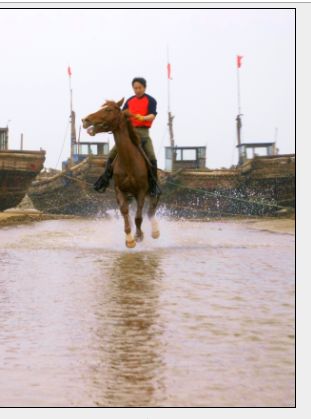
(202, 317)
(133, 355)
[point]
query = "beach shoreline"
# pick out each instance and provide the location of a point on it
(284, 225)
(16, 217)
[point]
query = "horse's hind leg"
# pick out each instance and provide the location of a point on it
(124, 208)
(155, 232)
(139, 217)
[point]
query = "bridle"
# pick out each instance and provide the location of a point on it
(108, 127)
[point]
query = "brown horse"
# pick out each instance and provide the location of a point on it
(130, 170)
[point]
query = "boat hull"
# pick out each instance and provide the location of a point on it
(71, 191)
(17, 170)
(262, 186)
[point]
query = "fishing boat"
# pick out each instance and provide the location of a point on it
(264, 185)
(261, 183)
(257, 185)
(18, 168)
(70, 190)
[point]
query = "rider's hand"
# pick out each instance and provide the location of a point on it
(139, 117)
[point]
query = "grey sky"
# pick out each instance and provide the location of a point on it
(107, 48)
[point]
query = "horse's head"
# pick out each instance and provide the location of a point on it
(105, 119)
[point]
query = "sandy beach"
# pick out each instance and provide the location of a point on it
(274, 225)
(203, 316)
(22, 216)
(16, 217)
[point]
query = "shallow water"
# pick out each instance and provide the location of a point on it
(203, 316)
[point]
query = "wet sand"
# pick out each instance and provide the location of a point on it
(274, 225)
(16, 217)
(202, 317)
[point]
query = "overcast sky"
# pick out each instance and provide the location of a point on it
(107, 48)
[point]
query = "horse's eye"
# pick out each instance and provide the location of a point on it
(108, 110)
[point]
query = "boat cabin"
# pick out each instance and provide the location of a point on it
(184, 158)
(4, 138)
(248, 151)
(83, 149)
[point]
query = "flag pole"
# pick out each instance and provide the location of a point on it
(170, 116)
(70, 89)
(238, 84)
(238, 118)
(168, 82)
(72, 119)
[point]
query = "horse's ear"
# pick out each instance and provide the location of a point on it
(120, 103)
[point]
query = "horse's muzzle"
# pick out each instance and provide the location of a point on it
(91, 131)
(93, 128)
(86, 123)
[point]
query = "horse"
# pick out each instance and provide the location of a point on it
(130, 168)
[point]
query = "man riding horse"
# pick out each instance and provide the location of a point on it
(143, 110)
(130, 169)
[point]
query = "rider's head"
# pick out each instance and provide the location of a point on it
(139, 85)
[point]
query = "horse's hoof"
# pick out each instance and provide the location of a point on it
(139, 237)
(131, 244)
(155, 234)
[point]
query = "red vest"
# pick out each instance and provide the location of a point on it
(144, 105)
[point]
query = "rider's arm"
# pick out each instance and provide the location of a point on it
(149, 117)
(152, 110)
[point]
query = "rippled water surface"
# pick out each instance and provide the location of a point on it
(204, 316)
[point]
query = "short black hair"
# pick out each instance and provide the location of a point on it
(140, 80)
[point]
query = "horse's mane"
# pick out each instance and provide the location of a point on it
(133, 136)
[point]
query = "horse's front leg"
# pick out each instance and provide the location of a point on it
(124, 208)
(140, 200)
(155, 231)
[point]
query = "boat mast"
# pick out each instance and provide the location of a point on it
(170, 116)
(170, 129)
(238, 118)
(73, 136)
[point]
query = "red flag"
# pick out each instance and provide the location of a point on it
(169, 71)
(69, 71)
(239, 60)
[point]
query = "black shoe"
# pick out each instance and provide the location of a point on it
(102, 182)
(154, 190)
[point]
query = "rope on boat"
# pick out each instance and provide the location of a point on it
(62, 149)
(234, 198)
(200, 191)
